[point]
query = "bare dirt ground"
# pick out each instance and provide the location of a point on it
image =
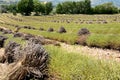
(98, 53)
(3, 28)
(7, 69)
(1, 52)
(3, 67)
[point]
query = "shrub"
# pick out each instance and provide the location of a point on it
(82, 40)
(50, 30)
(41, 29)
(28, 27)
(38, 40)
(1, 29)
(18, 35)
(27, 36)
(83, 31)
(14, 13)
(2, 41)
(7, 32)
(62, 30)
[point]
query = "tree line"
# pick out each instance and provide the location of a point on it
(84, 7)
(69, 7)
(26, 7)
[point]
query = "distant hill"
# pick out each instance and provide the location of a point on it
(94, 2)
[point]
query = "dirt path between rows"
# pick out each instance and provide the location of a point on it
(104, 54)
(1, 52)
(98, 53)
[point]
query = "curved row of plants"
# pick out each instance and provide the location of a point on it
(109, 41)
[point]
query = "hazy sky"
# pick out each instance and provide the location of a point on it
(94, 2)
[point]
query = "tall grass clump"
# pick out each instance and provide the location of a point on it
(104, 41)
(72, 66)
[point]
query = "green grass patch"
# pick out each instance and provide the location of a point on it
(64, 37)
(102, 35)
(104, 41)
(72, 66)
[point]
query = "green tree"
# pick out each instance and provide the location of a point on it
(59, 9)
(106, 8)
(25, 7)
(42, 8)
(38, 7)
(12, 8)
(75, 8)
(69, 7)
(48, 8)
(80, 7)
(87, 7)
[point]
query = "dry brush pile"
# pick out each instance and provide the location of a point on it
(24, 63)
(62, 30)
(50, 30)
(83, 34)
(2, 41)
